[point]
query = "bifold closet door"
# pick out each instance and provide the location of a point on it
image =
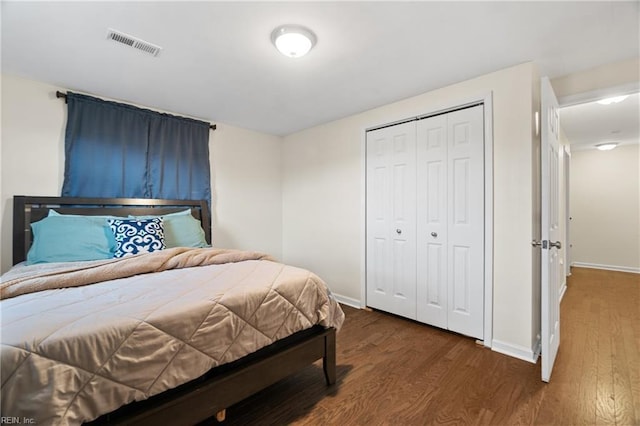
(391, 219)
(432, 275)
(450, 228)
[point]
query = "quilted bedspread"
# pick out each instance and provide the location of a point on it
(73, 353)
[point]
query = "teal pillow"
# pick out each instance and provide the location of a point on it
(180, 229)
(70, 238)
(100, 220)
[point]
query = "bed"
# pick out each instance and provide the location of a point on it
(177, 335)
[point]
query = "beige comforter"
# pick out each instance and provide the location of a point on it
(75, 347)
(48, 277)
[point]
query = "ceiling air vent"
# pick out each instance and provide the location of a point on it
(133, 42)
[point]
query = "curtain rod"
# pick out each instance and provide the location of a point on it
(59, 95)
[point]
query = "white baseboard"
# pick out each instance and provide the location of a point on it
(606, 267)
(516, 351)
(349, 301)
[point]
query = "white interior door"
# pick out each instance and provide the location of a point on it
(431, 155)
(550, 265)
(465, 181)
(450, 215)
(391, 218)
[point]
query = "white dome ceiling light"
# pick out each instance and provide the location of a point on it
(608, 146)
(613, 100)
(293, 41)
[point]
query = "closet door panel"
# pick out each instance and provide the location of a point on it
(391, 241)
(465, 131)
(460, 302)
(431, 157)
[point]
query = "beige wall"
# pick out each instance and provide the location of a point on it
(246, 175)
(605, 207)
(247, 181)
(32, 148)
(323, 196)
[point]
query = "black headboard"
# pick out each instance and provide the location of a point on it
(27, 210)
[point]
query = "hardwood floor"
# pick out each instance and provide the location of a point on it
(392, 371)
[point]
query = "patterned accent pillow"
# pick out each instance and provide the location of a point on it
(135, 236)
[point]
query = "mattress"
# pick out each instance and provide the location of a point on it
(74, 351)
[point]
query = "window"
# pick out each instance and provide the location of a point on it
(117, 150)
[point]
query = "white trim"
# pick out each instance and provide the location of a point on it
(488, 218)
(632, 269)
(363, 218)
(420, 112)
(567, 210)
(486, 99)
(517, 351)
(349, 301)
(594, 95)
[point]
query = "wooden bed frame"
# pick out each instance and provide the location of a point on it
(221, 387)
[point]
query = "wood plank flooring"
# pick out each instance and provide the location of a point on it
(392, 371)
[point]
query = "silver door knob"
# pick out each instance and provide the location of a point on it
(399, 231)
(557, 244)
(434, 234)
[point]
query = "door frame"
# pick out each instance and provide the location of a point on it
(486, 99)
(566, 170)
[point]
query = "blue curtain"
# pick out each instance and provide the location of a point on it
(116, 150)
(179, 170)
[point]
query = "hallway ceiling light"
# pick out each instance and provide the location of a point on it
(293, 41)
(613, 100)
(606, 146)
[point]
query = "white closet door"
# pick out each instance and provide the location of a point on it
(391, 213)
(432, 222)
(465, 134)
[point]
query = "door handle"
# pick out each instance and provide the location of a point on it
(398, 231)
(544, 243)
(434, 234)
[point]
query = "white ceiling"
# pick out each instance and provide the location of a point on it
(218, 63)
(589, 124)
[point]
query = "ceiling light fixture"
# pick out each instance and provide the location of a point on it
(293, 41)
(613, 100)
(606, 146)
